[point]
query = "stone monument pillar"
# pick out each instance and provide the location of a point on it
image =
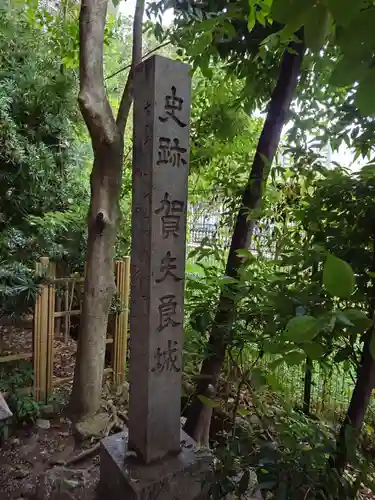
(155, 459)
(160, 173)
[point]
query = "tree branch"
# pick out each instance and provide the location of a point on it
(143, 57)
(92, 97)
(127, 96)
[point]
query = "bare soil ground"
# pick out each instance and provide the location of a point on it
(30, 451)
(17, 339)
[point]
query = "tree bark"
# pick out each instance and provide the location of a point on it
(307, 386)
(359, 402)
(107, 137)
(351, 427)
(268, 142)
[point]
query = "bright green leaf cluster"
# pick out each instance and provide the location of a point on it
(338, 277)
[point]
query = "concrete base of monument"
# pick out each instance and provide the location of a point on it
(179, 477)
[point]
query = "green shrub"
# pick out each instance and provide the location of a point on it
(14, 378)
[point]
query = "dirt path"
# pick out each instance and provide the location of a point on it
(29, 453)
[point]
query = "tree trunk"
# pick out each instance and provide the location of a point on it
(360, 400)
(107, 136)
(307, 386)
(242, 234)
(99, 282)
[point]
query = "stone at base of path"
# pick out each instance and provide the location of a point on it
(92, 427)
(58, 480)
(252, 492)
(178, 477)
(5, 412)
(62, 483)
(42, 423)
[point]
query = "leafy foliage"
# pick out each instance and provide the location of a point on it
(40, 154)
(288, 464)
(13, 380)
(18, 289)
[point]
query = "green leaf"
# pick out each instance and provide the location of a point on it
(275, 363)
(227, 280)
(243, 412)
(260, 17)
(207, 401)
(258, 378)
(348, 71)
(327, 323)
(365, 96)
(272, 347)
(317, 27)
(294, 358)
(201, 44)
(230, 30)
(201, 321)
(274, 382)
(286, 11)
(371, 273)
(359, 319)
(302, 329)
(369, 429)
(342, 319)
(243, 252)
(357, 38)
(194, 269)
(343, 354)
(251, 17)
(344, 10)
(314, 350)
(338, 277)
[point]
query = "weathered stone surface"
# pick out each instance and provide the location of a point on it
(5, 412)
(160, 173)
(92, 427)
(178, 477)
(58, 483)
(42, 423)
(20, 472)
(252, 493)
(63, 495)
(47, 410)
(122, 393)
(155, 460)
(29, 489)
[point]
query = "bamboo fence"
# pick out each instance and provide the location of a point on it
(46, 318)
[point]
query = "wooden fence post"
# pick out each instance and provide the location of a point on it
(122, 270)
(51, 272)
(37, 337)
(67, 308)
(44, 333)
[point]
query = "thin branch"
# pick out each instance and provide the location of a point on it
(92, 97)
(307, 493)
(127, 96)
(243, 381)
(124, 68)
(237, 401)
